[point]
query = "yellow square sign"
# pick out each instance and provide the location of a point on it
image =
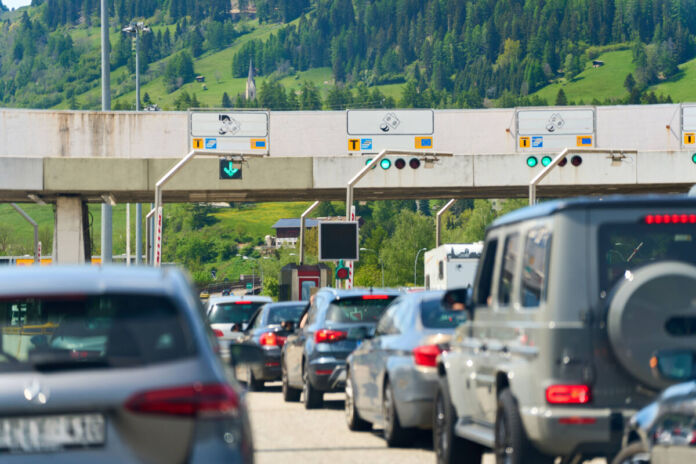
(584, 140)
(197, 144)
(353, 144)
(524, 142)
(424, 142)
(689, 138)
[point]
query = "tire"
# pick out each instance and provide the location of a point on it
(448, 447)
(628, 454)
(312, 398)
(511, 443)
(394, 433)
(253, 384)
(353, 419)
(290, 394)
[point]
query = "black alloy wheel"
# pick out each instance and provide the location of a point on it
(313, 398)
(290, 394)
(448, 447)
(353, 419)
(511, 443)
(253, 384)
(394, 433)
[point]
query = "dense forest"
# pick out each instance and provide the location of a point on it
(449, 53)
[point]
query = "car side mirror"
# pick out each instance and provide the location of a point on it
(288, 326)
(245, 353)
(674, 365)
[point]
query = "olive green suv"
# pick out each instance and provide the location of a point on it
(570, 301)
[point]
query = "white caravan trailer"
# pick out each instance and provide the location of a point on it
(451, 265)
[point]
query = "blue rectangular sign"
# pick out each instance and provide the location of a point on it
(537, 142)
(260, 144)
(210, 144)
(366, 144)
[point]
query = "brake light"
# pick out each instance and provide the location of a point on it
(670, 219)
(577, 420)
(188, 401)
(375, 297)
(242, 302)
(568, 394)
(218, 332)
(271, 339)
(329, 336)
(426, 355)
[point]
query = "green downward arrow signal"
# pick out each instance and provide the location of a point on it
(230, 170)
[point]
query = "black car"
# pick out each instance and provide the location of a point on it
(665, 431)
(268, 328)
(314, 357)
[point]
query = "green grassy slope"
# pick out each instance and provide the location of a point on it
(682, 87)
(254, 220)
(600, 83)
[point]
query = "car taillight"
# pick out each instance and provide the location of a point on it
(271, 339)
(218, 332)
(670, 219)
(187, 401)
(242, 302)
(568, 394)
(691, 438)
(329, 336)
(426, 355)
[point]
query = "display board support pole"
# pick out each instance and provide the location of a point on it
(302, 229)
(438, 219)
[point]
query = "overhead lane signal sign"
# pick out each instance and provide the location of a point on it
(524, 142)
(424, 143)
(228, 170)
(689, 138)
(584, 141)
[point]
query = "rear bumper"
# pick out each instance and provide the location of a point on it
(587, 431)
(414, 391)
(269, 370)
(327, 374)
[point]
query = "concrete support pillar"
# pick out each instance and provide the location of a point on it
(68, 231)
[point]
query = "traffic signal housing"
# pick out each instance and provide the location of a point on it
(342, 271)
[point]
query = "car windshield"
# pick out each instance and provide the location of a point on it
(435, 316)
(626, 247)
(278, 314)
(95, 330)
(234, 312)
(368, 308)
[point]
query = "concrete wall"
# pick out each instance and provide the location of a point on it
(36, 133)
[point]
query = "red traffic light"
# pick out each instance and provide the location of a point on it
(576, 161)
(563, 162)
(414, 163)
(342, 273)
(400, 163)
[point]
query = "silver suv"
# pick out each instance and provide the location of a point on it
(570, 301)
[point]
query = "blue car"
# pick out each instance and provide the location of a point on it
(314, 357)
(268, 329)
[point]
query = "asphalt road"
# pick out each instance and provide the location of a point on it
(286, 432)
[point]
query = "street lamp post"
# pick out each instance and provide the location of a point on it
(381, 263)
(414, 265)
(136, 29)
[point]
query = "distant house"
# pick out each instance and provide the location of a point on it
(200, 78)
(597, 63)
(288, 231)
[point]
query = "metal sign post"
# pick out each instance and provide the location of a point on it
(158, 237)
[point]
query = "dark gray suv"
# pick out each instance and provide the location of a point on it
(570, 301)
(313, 358)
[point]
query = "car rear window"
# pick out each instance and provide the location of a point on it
(628, 246)
(368, 308)
(435, 316)
(102, 330)
(285, 313)
(233, 312)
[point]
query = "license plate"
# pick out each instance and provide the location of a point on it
(51, 433)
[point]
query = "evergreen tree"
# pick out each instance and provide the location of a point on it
(226, 102)
(561, 99)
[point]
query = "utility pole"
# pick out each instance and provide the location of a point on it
(106, 229)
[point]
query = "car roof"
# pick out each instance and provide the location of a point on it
(339, 293)
(549, 208)
(280, 304)
(86, 279)
(229, 298)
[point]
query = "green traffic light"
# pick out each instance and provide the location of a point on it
(385, 163)
(368, 161)
(532, 161)
(693, 157)
(545, 161)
